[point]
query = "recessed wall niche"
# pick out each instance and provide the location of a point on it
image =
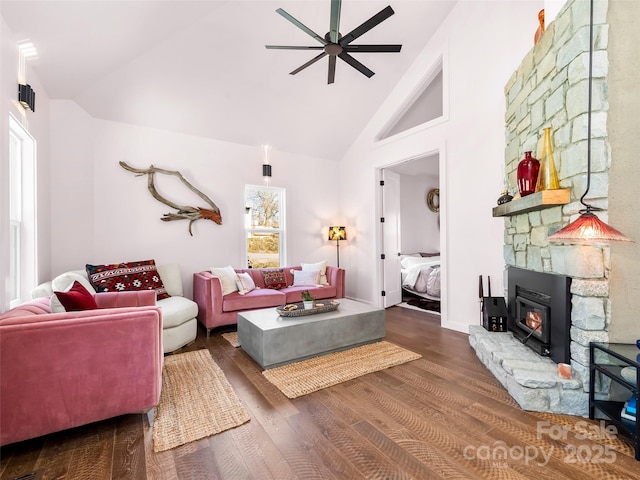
(426, 104)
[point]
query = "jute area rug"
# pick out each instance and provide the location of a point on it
(301, 378)
(232, 338)
(196, 401)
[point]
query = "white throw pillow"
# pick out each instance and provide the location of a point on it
(305, 278)
(64, 281)
(245, 283)
(227, 276)
(322, 266)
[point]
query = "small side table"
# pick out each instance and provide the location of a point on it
(609, 359)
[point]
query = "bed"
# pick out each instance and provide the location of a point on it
(421, 275)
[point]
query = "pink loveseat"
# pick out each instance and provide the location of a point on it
(63, 370)
(215, 310)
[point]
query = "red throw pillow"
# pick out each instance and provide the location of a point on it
(76, 298)
(120, 277)
(274, 278)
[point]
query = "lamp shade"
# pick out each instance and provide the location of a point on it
(588, 229)
(337, 233)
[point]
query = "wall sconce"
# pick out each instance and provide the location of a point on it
(588, 228)
(337, 234)
(27, 97)
(266, 167)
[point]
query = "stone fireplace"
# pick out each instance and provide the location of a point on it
(549, 89)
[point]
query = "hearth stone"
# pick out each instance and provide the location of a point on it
(531, 380)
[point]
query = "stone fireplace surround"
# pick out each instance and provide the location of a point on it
(550, 89)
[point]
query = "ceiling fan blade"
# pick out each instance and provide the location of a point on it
(356, 64)
(301, 26)
(379, 17)
(332, 69)
(334, 23)
(292, 47)
(371, 48)
(310, 62)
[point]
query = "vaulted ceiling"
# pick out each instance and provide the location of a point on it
(201, 67)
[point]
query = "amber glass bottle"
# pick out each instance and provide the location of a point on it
(547, 175)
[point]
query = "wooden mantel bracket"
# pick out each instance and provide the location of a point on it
(183, 212)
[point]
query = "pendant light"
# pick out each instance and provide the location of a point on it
(588, 228)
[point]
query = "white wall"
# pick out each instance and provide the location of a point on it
(105, 214)
(37, 124)
(482, 43)
(419, 229)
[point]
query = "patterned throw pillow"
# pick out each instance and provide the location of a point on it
(274, 278)
(120, 277)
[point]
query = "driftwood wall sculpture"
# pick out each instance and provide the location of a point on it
(183, 212)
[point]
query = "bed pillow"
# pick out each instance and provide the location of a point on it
(227, 276)
(274, 278)
(245, 283)
(119, 277)
(409, 262)
(322, 266)
(305, 278)
(75, 299)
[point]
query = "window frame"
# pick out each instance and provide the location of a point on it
(281, 230)
(22, 213)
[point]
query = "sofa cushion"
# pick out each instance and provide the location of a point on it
(274, 278)
(117, 277)
(245, 283)
(76, 298)
(227, 276)
(294, 294)
(322, 266)
(259, 298)
(64, 281)
(177, 310)
(171, 278)
(308, 278)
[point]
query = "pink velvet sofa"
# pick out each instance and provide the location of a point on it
(215, 310)
(63, 370)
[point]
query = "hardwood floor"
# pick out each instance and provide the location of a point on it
(443, 416)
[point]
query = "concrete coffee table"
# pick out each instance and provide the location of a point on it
(272, 340)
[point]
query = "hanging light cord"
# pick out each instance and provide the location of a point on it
(589, 208)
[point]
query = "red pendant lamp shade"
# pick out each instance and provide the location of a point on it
(588, 228)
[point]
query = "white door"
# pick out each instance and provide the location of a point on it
(391, 238)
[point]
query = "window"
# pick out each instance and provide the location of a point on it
(264, 225)
(22, 213)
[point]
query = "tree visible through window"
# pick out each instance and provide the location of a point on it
(264, 224)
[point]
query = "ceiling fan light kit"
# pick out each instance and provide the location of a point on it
(334, 45)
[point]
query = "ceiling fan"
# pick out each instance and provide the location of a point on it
(335, 45)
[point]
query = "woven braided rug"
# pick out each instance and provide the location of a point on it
(196, 401)
(301, 378)
(232, 338)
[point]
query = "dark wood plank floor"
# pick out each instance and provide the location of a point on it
(443, 416)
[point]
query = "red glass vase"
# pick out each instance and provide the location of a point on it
(527, 174)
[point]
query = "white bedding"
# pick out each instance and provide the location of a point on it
(421, 275)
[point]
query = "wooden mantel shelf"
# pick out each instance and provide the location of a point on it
(535, 201)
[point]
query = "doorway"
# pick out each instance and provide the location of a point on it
(411, 227)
